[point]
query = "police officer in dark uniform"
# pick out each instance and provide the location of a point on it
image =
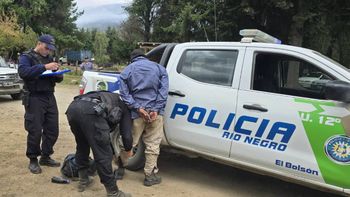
(92, 117)
(41, 113)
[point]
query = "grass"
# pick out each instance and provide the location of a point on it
(70, 79)
(73, 77)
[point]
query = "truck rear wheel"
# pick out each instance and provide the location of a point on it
(17, 96)
(137, 161)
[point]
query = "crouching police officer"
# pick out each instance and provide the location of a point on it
(92, 117)
(41, 113)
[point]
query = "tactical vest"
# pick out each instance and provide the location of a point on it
(40, 84)
(111, 103)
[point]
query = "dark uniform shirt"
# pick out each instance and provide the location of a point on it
(31, 66)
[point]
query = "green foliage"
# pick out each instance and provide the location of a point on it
(196, 21)
(123, 40)
(322, 25)
(86, 38)
(145, 11)
(11, 38)
(36, 17)
(100, 46)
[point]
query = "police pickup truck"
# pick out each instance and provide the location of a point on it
(244, 104)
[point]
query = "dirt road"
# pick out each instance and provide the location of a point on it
(181, 176)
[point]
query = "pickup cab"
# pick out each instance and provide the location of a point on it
(10, 82)
(243, 104)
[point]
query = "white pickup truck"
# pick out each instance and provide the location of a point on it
(10, 82)
(242, 104)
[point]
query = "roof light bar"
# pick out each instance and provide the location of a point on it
(254, 34)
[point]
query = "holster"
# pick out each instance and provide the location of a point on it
(25, 98)
(100, 109)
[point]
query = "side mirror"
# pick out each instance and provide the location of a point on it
(337, 90)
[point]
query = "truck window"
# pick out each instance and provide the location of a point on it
(156, 53)
(209, 66)
(161, 53)
(289, 75)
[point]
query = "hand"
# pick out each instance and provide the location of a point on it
(129, 153)
(153, 115)
(143, 114)
(52, 66)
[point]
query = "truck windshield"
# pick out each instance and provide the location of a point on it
(3, 63)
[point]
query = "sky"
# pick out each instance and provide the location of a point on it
(96, 11)
(94, 3)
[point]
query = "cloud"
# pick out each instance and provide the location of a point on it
(95, 3)
(100, 15)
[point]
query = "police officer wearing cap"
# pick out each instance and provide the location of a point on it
(41, 113)
(92, 117)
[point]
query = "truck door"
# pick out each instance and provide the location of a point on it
(202, 97)
(284, 124)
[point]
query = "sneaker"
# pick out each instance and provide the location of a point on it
(119, 173)
(47, 161)
(34, 166)
(152, 180)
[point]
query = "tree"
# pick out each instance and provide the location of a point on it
(123, 40)
(146, 12)
(12, 39)
(184, 24)
(100, 48)
(55, 17)
(86, 38)
(318, 24)
(130, 30)
(196, 21)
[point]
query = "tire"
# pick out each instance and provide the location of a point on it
(137, 161)
(17, 96)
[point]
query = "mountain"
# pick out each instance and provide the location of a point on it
(102, 16)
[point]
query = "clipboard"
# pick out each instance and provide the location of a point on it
(59, 72)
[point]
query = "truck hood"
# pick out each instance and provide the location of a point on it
(7, 71)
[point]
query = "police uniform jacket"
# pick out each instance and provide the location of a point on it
(113, 110)
(31, 66)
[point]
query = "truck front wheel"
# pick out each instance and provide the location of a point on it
(17, 96)
(137, 161)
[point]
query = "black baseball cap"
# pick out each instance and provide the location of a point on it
(136, 53)
(48, 40)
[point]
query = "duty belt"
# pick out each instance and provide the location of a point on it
(94, 100)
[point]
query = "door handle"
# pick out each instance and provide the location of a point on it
(176, 93)
(255, 107)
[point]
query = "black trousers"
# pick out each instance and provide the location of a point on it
(91, 131)
(41, 123)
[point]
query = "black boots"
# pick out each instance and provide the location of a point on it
(34, 166)
(119, 173)
(84, 180)
(47, 161)
(152, 180)
(115, 192)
